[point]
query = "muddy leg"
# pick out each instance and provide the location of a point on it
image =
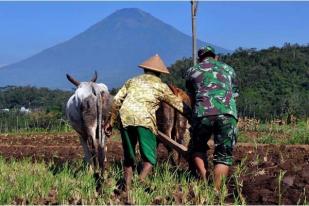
(147, 167)
(201, 165)
(220, 172)
(128, 175)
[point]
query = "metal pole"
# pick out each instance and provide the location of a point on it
(193, 15)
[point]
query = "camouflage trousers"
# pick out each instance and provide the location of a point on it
(224, 129)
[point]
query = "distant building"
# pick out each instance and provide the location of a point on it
(5, 110)
(24, 110)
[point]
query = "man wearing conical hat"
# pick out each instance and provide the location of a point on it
(137, 102)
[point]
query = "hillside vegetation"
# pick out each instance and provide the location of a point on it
(13, 97)
(273, 83)
(44, 109)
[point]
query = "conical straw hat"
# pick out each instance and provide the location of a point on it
(154, 63)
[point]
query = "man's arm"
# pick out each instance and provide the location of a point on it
(117, 102)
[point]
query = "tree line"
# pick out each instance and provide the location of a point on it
(43, 99)
(273, 82)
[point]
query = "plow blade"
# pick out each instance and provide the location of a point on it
(173, 144)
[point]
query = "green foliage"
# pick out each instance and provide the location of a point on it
(13, 97)
(114, 91)
(39, 121)
(273, 82)
(177, 72)
(47, 109)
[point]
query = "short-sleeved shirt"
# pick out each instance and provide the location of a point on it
(212, 85)
(139, 99)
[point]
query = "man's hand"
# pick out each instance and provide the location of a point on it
(108, 129)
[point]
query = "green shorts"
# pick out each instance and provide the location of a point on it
(147, 144)
(224, 129)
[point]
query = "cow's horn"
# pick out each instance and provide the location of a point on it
(95, 76)
(73, 81)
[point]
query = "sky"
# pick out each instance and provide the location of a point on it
(27, 28)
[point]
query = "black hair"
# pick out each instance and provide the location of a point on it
(147, 71)
(205, 55)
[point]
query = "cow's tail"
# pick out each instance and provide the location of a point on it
(100, 136)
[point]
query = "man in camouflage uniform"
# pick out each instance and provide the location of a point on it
(137, 102)
(211, 84)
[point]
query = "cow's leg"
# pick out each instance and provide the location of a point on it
(104, 143)
(180, 129)
(88, 146)
(166, 121)
(173, 154)
(105, 150)
(87, 154)
(98, 152)
(101, 157)
(93, 142)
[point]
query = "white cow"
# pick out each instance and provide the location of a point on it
(86, 110)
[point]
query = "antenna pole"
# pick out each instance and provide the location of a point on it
(193, 17)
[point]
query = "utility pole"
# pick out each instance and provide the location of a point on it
(193, 17)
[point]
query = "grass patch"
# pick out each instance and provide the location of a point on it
(24, 182)
(267, 139)
(300, 136)
(276, 134)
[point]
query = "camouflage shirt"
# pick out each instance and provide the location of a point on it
(212, 85)
(139, 99)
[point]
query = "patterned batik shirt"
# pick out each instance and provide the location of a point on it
(212, 85)
(139, 99)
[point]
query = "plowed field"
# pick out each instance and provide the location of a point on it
(263, 163)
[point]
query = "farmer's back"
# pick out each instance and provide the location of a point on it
(211, 84)
(144, 93)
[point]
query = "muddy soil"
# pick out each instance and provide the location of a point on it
(258, 181)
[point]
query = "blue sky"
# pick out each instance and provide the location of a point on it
(29, 27)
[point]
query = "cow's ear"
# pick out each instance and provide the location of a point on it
(95, 76)
(72, 80)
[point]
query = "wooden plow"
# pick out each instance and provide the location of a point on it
(173, 144)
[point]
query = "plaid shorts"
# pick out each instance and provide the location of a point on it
(224, 129)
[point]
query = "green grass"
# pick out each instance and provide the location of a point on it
(299, 135)
(35, 181)
(277, 134)
(42, 183)
(15, 122)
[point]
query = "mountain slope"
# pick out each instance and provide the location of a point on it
(113, 47)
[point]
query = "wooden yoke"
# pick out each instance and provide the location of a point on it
(173, 144)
